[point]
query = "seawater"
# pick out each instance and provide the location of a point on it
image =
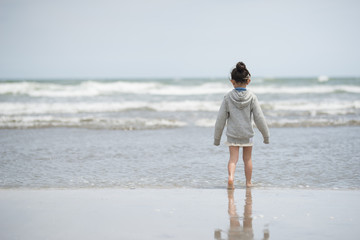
(166, 103)
(306, 158)
(159, 134)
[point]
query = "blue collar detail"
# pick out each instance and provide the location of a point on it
(240, 89)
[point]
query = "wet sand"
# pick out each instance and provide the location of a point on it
(112, 213)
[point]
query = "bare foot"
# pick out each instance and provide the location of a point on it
(230, 187)
(249, 185)
(230, 184)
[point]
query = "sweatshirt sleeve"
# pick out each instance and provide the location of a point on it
(220, 122)
(260, 121)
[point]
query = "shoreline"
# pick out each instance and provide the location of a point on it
(179, 213)
(215, 188)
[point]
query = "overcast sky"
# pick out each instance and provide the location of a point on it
(184, 38)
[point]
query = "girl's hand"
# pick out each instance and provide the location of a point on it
(216, 142)
(266, 140)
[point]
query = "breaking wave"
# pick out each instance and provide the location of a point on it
(272, 108)
(94, 88)
(290, 122)
(99, 88)
(9, 122)
(167, 103)
(20, 108)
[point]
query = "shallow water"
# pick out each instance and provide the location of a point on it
(316, 157)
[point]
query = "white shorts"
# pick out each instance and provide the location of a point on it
(250, 143)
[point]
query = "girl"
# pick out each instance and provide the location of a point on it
(238, 109)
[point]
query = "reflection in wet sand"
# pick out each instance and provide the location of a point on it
(236, 230)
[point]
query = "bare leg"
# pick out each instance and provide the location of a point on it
(247, 164)
(234, 157)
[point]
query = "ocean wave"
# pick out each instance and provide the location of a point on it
(205, 122)
(272, 108)
(99, 88)
(302, 107)
(317, 122)
(11, 122)
(23, 108)
(289, 122)
(94, 88)
(95, 122)
(315, 89)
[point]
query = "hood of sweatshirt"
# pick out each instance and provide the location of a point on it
(241, 99)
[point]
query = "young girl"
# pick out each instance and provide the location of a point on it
(238, 109)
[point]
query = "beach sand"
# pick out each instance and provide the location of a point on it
(112, 213)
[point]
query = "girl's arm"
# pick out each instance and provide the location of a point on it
(220, 122)
(260, 121)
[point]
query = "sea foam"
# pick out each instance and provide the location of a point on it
(9, 122)
(291, 106)
(97, 88)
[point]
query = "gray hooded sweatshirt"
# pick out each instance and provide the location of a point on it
(238, 109)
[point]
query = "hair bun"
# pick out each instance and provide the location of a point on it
(240, 66)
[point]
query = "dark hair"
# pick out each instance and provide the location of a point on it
(240, 73)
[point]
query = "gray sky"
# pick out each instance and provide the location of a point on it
(184, 38)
